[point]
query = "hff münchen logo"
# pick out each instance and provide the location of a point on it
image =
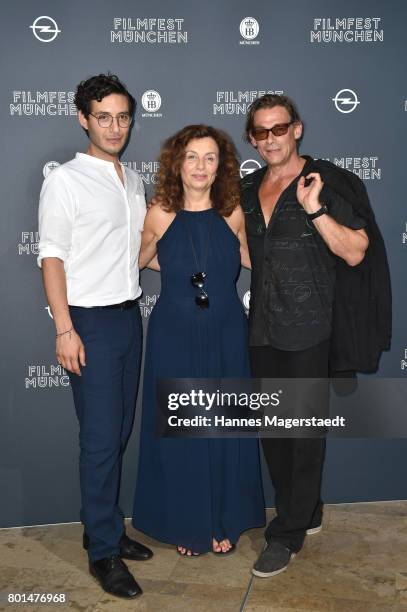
(249, 29)
(151, 102)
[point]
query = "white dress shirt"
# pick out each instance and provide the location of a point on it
(93, 222)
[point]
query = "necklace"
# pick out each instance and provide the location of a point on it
(198, 278)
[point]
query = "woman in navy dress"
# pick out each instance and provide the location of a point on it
(199, 494)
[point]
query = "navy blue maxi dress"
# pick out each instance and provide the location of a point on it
(192, 489)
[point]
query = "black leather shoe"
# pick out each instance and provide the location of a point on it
(114, 577)
(129, 549)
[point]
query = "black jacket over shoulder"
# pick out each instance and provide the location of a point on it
(361, 317)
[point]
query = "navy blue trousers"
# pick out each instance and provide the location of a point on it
(105, 399)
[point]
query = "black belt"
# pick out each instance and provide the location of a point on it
(121, 306)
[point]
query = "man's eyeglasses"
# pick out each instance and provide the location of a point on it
(280, 129)
(198, 281)
(105, 120)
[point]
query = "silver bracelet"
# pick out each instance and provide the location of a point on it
(68, 331)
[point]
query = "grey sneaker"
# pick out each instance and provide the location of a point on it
(273, 560)
(314, 530)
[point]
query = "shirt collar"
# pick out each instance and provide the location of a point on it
(91, 159)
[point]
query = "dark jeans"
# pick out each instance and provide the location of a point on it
(105, 399)
(295, 464)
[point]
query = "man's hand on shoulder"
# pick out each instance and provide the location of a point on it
(308, 190)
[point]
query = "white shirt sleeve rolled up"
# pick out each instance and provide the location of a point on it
(56, 217)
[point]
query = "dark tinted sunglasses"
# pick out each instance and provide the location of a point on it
(280, 129)
(198, 281)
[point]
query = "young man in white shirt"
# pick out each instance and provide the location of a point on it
(91, 215)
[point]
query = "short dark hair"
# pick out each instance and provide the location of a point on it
(270, 101)
(98, 87)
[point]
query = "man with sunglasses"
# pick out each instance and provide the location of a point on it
(306, 224)
(91, 215)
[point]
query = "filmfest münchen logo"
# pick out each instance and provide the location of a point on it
(366, 167)
(45, 29)
(249, 29)
(147, 303)
(45, 376)
(147, 170)
(149, 30)
(346, 30)
(29, 243)
(42, 103)
(151, 102)
(346, 101)
(249, 166)
(238, 102)
(49, 166)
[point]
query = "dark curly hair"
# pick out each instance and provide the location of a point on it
(269, 101)
(225, 194)
(97, 88)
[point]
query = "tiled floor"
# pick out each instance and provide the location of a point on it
(357, 563)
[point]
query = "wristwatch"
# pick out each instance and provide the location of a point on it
(322, 211)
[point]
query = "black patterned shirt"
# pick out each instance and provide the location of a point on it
(293, 270)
